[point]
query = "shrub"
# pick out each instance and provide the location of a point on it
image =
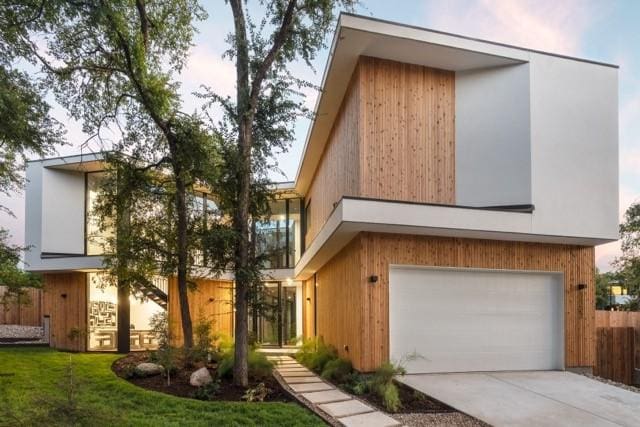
(167, 357)
(337, 370)
(159, 323)
(257, 393)
(315, 354)
(382, 384)
(207, 391)
(357, 383)
(259, 366)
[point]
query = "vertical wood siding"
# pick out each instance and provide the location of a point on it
(350, 308)
(616, 319)
(308, 309)
(407, 122)
(340, 303)
(210, 300)
(23, 314)
(338, 170)
(68, 312)
(393, 138)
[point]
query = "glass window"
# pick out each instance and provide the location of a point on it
(271, 236)
(295, 231)
(142, 309)
(97, 239)
(102, 314)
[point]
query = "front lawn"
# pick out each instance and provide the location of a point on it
(35, 387)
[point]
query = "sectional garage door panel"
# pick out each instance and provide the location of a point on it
(454, 320)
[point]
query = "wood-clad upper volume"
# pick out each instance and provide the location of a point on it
(392, 139)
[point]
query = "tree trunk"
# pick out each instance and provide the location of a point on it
(242, 262)
(181, 212)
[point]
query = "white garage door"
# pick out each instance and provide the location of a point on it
(458, 320)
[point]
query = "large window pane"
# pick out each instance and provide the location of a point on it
(96, 238)
(141, 312)
(271, 236)
(295, 231)
(102, 314)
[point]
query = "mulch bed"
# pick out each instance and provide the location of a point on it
(180, 381)
(413, 402)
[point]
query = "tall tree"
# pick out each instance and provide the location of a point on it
(260, 120)
(113, 64)
(628, 264)
(26, 127)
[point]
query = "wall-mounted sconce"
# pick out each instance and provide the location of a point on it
(308, 299)
(373, 279)
(582, 286)
(63, 295)
(346, 348)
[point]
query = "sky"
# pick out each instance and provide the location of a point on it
(606, 31)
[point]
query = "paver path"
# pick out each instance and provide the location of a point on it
(338, 405)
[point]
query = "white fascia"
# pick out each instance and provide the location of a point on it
(352, 216)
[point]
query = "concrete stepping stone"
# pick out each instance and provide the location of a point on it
(346, 408)
(296, 374)
(294, 369)
(302, 388)
(370, 419)
(301, 380)
(326, 396)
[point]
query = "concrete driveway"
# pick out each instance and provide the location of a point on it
(540, 398)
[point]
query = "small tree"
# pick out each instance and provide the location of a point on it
(628, 264)
(17, 282)
(260, 120)
(26, 128)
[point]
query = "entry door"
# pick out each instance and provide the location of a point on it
(455, 320)
(275, 321)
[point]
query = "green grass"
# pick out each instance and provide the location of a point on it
(30, 381)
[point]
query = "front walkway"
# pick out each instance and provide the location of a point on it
(340, 407)
(540, 398)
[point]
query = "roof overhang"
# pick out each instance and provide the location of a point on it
(352, 216)
(80, 163)
(357, 36)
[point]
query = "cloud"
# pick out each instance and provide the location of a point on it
(550, 25)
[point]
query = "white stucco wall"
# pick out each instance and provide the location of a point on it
(63, 211)
(33, 214)
(574, 147)
(493, 161)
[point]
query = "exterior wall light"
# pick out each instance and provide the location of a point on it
(373, 279)
(308, 299)
(582, 286)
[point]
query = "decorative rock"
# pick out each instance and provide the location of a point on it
(148, 369)
(200, 377)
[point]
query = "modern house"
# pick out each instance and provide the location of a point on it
(447, 205)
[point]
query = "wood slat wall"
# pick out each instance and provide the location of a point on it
(66, 313)
(407, 128)
(354, 312)
(615, 354)
(308, 308)
(340, 295)
(393, 138)
(23, 314)
(606, 319)
(211, 300)
(338, 171)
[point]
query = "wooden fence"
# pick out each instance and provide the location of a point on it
(618, 345)
(23, 314)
